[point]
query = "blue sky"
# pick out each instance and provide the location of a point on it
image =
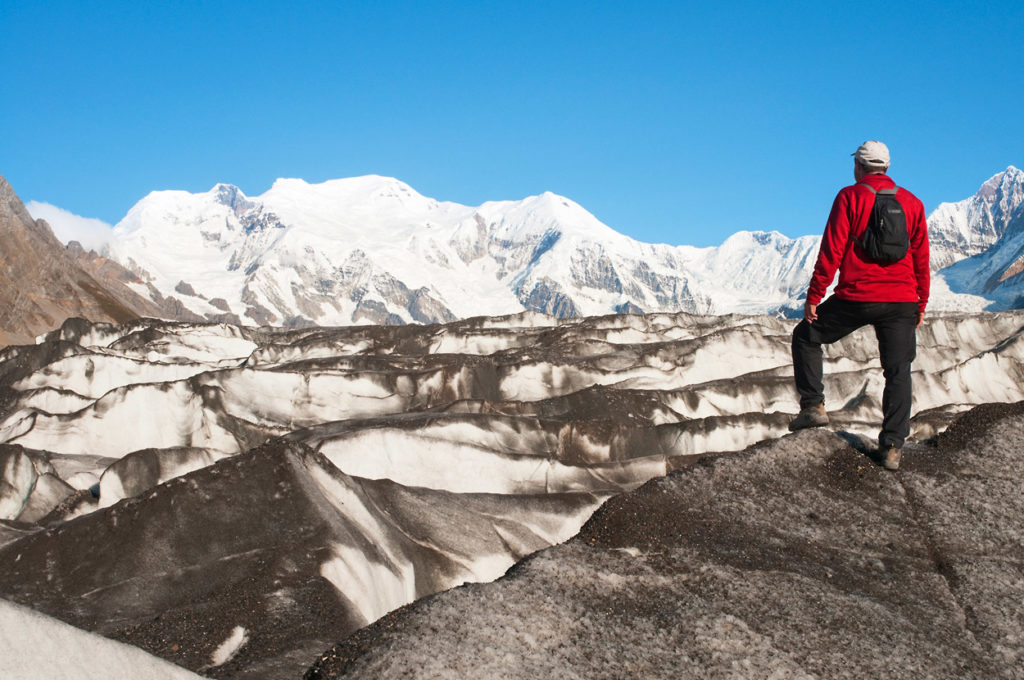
(672, 122)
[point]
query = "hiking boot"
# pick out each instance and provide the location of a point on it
(891, 458)
(812, 416)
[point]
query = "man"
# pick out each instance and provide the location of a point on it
(890, 297)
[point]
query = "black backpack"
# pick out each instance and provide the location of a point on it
(885, 240)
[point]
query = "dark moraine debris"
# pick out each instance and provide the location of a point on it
(275, 542)
(796, 558)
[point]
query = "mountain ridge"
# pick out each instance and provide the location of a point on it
(976, 223)
(372, 249)
(996, 272)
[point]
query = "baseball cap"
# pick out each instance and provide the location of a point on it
(872, 154)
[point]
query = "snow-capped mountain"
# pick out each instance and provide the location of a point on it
(971, 226)
(996, 273)
(372, 250)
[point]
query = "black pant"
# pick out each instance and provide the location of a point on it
(894, 324)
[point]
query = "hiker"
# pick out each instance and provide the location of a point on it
(883, 281)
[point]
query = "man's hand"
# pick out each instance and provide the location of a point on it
(920, 318)
(811, 312)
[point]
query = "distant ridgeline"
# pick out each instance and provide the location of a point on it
(370, 250)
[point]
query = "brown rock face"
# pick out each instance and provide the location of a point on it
(42, 283)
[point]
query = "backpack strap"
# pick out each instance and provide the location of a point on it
(884, 192)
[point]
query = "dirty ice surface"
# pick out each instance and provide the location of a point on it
(298, 484)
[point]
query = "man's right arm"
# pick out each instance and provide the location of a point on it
(832, 249)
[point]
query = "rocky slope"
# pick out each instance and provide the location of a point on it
(797, 558)
(42, 283)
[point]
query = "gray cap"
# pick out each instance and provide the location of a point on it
(872, 154)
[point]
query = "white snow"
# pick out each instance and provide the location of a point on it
(229, 648)
(378, 579)
(33, 645)
(318, 251)
(124, 420)
(372, 587)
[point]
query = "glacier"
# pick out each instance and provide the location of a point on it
(256, 494)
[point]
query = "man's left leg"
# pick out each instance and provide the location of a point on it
(897, 346)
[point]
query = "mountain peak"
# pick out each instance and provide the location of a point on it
(284, 183)
(367, 190)
(228, 190)
(231, 196)
(1003, 182)
(11, 207)
(362, 183)
(5, 188)
(551, 212)
(755, 238)
(551, 199)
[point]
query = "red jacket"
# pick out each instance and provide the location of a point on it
(905, 281)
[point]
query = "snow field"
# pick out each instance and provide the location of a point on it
(53, 401)
(33, 646)
(298, 400)
(181, 404)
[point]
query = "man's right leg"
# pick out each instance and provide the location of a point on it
(836, 319)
